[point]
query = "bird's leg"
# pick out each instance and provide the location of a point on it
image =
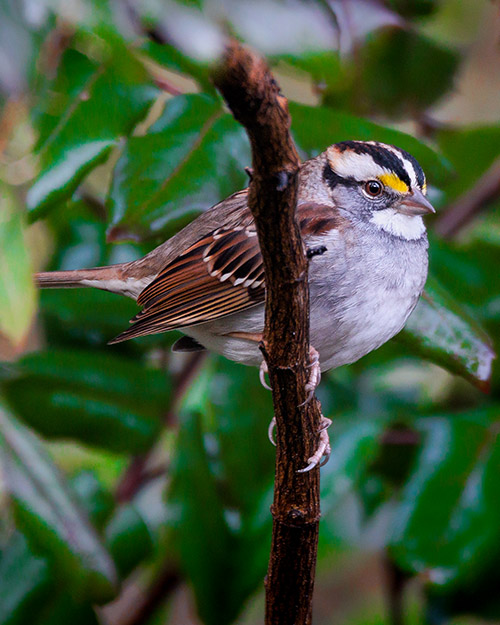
(322, 453)
(314, 376)
(324, 450)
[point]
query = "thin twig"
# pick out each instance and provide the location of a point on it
(475, 200)
(396, 584)
(254, 97)
(139, 610)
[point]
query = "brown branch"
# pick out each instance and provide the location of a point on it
(396, 580)
(254, 97)
(465, 208)
(134, 609)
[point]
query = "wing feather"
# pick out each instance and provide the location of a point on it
(218, 275)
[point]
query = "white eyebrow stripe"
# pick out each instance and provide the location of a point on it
(408, 165)
(349, 164)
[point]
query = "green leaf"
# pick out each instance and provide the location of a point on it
(315, 128)
(17, 292)
(471, 151)
(244, 464)
(86, 316)
(414, 8)
(191, 158)
(246, 455)
(74, 72)
(392, 67)
(440, 331)
(50, 518)
(25, 580)
(96, 398)
(63, 609)
(354, 446)
(103, 107)
(128, 539)
(95, 499)
(27, 583)
(135, 530)
(448, 520)
(207, 548)
(170, 57)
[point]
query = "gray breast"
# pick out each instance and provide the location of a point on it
(363, 297)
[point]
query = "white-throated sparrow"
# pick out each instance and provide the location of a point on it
(361, 203)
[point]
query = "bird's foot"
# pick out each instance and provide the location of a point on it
(322, 453)
(315, 375)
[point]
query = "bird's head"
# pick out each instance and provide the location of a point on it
(380, 184)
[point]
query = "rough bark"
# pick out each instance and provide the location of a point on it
(255, 100)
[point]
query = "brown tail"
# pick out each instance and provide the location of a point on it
(107, 278)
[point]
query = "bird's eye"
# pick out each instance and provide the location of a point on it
(374, 188)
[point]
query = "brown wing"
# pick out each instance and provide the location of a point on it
(219, 275)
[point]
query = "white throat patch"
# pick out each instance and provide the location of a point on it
(399, 225)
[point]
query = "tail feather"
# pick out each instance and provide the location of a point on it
(99, 277)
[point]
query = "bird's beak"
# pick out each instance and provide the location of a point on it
(415, 204)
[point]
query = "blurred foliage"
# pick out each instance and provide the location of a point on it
(130, 467)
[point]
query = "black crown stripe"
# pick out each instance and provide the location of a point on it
(380, 155)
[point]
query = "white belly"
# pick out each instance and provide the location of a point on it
(366, 300)
(359, 331)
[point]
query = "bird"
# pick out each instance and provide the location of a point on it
(360, 208)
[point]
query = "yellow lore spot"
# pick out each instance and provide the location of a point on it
(394, 182)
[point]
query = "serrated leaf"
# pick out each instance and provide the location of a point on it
(105, 106)
(191, 158)
(49, 517)
(442, 332)
(17, 292)
(95, 398)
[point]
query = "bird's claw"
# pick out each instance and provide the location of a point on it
(322, 453)
(262, 375)
(312, 382)
(314, 377)
(270, 431)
